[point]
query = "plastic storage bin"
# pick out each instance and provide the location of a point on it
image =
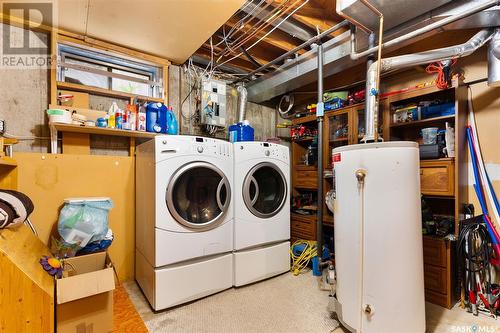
(438, 110)
(429, 135)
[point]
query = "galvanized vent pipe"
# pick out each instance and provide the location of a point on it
(409, 60)
(494, 60)
(242, 102)
(418, 32)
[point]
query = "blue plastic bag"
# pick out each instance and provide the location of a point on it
(84, 220)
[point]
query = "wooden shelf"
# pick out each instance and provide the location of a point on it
(100, 131)
(304, 140)
(424, 122)
(340, 139)
(308, 217)
(305, 119)
(8, 162)
(105, 92)
(305, 167)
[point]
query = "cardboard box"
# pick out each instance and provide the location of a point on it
(85, 295)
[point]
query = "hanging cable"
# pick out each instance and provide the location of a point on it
(443, 70)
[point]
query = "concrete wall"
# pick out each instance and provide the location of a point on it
(263, 119)
(24, 99)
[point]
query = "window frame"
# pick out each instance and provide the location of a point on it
(111, 61)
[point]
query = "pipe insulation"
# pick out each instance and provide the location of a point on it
(409, 60)
(242, 102)
(494, 60)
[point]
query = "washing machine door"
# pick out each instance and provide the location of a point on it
(198, 195)
(265, 190)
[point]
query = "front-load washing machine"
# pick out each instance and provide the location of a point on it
(184, 218)
(261, 193)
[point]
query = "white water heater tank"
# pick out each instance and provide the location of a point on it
(378, 238)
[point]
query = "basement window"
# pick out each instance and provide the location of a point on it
(108, 71)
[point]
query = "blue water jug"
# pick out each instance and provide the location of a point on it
(241, 131)
(172, 125)
(247, 131)
(156, 118)
(233, 132)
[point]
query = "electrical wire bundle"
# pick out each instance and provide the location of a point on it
(475, 252)
(443, 70)
(301, 253)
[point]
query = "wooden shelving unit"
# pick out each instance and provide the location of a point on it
(101, 131)
(424, 122)
(77, 138)
(443, 183)
(449, 173)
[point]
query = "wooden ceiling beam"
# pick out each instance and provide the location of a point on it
(276, 39)
(237, 63)
(257, 53)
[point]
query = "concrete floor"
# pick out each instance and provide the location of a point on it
(285, 303)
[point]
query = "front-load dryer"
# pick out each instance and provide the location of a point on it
(261, 193)
(184, 218)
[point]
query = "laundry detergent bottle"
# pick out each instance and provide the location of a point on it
(172, 125)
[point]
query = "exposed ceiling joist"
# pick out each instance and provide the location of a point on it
(290, 26)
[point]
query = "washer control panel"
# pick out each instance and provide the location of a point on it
(192, 145)
(209, 146)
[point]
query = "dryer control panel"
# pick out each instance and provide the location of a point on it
(254, 149)
(209, 146)
(275, 151)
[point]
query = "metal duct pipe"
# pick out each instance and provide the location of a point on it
(494, 60)
(319, 115)
(410, 60)
(296, 49)
(242, 102)
(423, 30)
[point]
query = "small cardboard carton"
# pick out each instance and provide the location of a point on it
(85, 295)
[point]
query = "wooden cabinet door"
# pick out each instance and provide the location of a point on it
(437, 177)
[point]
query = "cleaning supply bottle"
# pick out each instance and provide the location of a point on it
(141, 117)
(172, 125)
(119, 119)
(111, 115)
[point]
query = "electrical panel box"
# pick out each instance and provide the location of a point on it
(213, 103)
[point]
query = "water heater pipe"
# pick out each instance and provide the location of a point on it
(421, 31)
(242, 102)
(319, 114)
(494, 60)
(379, 55)
(409, 60)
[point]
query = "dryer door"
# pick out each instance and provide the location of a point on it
(265, 190)
(198, 195)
